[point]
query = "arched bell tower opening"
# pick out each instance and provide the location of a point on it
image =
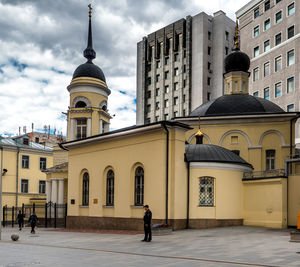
(88, 113)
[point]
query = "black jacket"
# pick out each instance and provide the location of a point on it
(147, 217)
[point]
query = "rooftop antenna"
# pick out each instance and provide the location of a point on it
(89, 53)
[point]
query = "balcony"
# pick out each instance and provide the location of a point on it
(276, 173)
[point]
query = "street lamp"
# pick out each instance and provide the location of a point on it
(2, 173)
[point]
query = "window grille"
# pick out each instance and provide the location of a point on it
(110, 188)
(85, 189)
(206, 191)
(139, 187)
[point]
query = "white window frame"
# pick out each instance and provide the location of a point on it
(264, 74)
(287, 57)
(40, 163)
(287, 32)
(275, 63)
(254, 51)
(275, 39)
(253, 33)
(275, 22)
(254, 71)
(269, 45)
(39, 186)
(279, 82)
(287, 9)
(287, 107)
(287, 84)
(264, 29)
(23, 179)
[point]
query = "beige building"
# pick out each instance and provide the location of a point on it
(237, 168)
(270, 36)
(23, 163)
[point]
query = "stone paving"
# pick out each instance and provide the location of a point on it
(228, 246)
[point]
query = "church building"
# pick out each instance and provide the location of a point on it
(230, 162)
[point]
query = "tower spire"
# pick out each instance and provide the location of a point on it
(89, 53)
(236, 37)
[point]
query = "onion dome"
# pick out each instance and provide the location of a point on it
(237, 61)
(89, 69)
(212, 153)
(236, 104)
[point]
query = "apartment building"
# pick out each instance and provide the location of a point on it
(270, 35)
(181, 66)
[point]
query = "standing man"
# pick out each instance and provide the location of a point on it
(147, 224)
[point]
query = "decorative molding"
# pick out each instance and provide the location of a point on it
(83, 99)
(235, 131)
(275, 132)
(219, 165)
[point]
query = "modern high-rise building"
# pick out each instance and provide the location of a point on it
(181, 66)
(269, 32)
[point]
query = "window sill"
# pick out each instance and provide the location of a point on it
(205, 206)
(108, 206)
(81, 206)
(136, 207)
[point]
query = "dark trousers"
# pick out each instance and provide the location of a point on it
(20, 225)
(32, 227)
(148, 233)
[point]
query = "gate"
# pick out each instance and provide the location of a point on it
(49, 214)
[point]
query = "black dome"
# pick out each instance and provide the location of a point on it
(89, 69)
(236, 105)
(212, 153)
(237, 61)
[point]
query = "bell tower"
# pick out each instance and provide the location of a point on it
(88, 114)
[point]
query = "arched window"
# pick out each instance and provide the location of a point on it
(80, 104)
(139, 187)
(85, 189)
(206, 191)
(110, 188)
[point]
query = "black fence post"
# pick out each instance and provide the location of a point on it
(3, 223)
(23, 214)
(55, 215)
(66, 213)
(33, 207)
(46, 215)
(12, 216)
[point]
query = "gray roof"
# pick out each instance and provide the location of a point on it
(18, 142)
(212, 153)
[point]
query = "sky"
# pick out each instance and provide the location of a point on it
(42, 41)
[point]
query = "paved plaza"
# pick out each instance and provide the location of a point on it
(228, 246)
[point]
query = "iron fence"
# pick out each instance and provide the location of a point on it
(49, 214)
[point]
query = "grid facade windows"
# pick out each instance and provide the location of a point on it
(166, 103)
(157, 105)
(256, 12)
(176, 57)
(42, 187)
(167, 89)
(277, 63)
(176, 86)
(176, 71)
(278, 1)
(148, 94)
(278, 17)
(255, 94)
(175, 114)
(267, 24)
(167, 75)
(267, 93)
(157, 77)
(290, 108)
(208, 50)
(255, 74)
(278, 89)
(25, 161)
(24, 185)
(278, 39)
(290, 58)
(291, 9)
(209, 35)
(290, 85)
(167, 60)
(256, 31)
(158, 64)
(267, 46)
(206, 191)
(256, 51)
(267, 5)
(176, 100)
(166, 116)
(208, 80)
(226, 35)
(226, 50)
(148, 108)
(291, 32)
(157, 92)
(266, 69)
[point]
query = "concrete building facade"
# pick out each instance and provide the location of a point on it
(179, 65)
(270, 35)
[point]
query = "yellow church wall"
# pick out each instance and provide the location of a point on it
(123, 155)
(228, 194)
(293, 199)
(253, 138)
(178, 175)
(265, 203)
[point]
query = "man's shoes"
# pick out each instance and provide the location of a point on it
(143, 240)
(148, 240)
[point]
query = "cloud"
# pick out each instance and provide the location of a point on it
(42, 42)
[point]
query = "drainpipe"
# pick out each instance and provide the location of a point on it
(188, 197)
(167, 171)
(17, 176)
(1, 189)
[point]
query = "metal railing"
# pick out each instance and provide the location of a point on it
(264, 174)
(49, 214)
